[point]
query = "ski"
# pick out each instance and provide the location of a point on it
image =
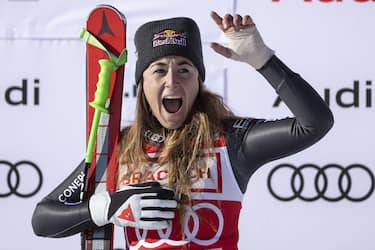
(106, 54)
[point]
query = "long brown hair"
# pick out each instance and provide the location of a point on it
(182, 146)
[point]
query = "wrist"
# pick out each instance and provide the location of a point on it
(98, 207)
(247, 46)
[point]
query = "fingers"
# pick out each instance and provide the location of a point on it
(158, 204)
(247, 21)
(240, 22)
(237, 22)
(217, 19)
(157, 209)
(230, 23)
(220, 49)
(157, 215)
(155, 225)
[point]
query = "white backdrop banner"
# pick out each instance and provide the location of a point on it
(321, 198)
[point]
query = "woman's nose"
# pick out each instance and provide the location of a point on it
(171, 79)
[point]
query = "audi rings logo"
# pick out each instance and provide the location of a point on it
(19, 179)
(192, 232)
(331, 182)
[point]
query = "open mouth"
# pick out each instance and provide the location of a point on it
(172, 105)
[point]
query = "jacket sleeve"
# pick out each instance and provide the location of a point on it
(267, 140)
(61, 213)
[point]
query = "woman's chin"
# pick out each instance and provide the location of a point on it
(172, 120)
(171, 124)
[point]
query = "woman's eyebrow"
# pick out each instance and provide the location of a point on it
(158, 64)
(183, 62)
(179, 63)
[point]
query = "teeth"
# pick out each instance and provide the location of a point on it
(171, 97)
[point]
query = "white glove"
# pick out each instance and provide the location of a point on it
(145, 205)
(246, 45)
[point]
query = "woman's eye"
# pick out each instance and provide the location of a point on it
(159, 71)
(183, 70)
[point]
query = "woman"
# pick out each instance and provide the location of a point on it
(186, 160)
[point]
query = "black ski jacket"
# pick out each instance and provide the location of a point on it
(251, 143)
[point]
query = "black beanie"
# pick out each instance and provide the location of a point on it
(169, 37)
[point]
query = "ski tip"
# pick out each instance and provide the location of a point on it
(123, 18)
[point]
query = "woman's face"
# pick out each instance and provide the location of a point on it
(171, 85)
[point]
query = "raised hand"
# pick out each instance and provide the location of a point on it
(244, 41)
(230, 23)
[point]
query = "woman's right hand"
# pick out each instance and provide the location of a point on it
(145, 205)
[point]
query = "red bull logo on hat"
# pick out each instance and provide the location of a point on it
(169, 37)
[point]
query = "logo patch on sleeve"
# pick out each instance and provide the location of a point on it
(242, 123)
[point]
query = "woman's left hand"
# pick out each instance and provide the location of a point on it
(245, 43)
